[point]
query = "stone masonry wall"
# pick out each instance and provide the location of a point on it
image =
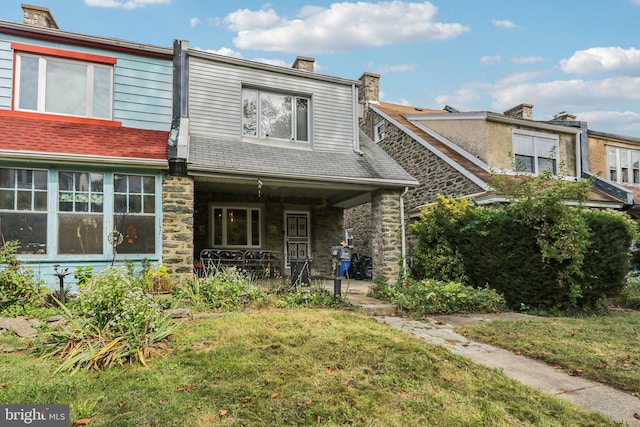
(177, 227)
(386, 238)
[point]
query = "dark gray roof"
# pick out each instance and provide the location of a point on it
(235, 157)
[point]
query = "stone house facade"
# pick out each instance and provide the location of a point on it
(458, 154)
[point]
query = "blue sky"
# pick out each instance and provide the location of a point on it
(582, 57)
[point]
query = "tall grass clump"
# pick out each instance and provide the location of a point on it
(115, 322)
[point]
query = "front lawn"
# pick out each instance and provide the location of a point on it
(601, 348)
(289, 367)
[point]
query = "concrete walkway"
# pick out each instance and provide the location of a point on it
(613, 404)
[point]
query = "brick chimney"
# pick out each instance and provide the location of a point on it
(39, 16)
(370, 89)
(564, 117)
(522, 111)
(304, 63)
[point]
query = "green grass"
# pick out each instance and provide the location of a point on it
(601, 348)
(290, 367)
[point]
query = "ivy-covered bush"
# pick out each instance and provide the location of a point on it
(536, 250)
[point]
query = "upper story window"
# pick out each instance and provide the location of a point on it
(65, 83)
(275, 115)
(380, 131)
(535, 152)
(623, 165)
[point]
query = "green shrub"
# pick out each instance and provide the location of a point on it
(437, 297)
(312, 297)
(118, 323)
(227, 289)
(629, 296)
(19, 290)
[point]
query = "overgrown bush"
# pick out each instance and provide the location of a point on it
(629, 296)
(19, 289)
(118, 322)
(536, 250)
(430, 296)
(227, 289)
(312, 297)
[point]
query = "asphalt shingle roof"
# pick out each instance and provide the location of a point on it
(235, 156)
(58, 136)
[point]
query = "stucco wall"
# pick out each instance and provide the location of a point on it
(470, 135)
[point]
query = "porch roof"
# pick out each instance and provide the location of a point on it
(337, 176)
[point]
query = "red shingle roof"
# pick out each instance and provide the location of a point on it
(59, 136)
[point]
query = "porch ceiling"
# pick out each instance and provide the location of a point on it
(334, 194)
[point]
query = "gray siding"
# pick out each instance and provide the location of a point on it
(142, 86)
(215, 102)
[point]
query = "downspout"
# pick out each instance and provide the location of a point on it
(177, 150)
(404, 235)
(354, 118)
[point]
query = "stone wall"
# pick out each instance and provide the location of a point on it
(177, 227)
(386, 240)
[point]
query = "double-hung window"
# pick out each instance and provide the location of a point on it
(623, 165)
(380, 131)
(134, 205)
(63, 84)
(274, 115)
(236, 226)
(80, 212)
(535, 152)
(23, 208)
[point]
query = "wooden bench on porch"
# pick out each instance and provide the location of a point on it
(259, 264)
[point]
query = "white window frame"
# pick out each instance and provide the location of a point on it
(620, 165)
(224, 225)
(537, 152)
(259, 132)
(42, 81)
(380, 131)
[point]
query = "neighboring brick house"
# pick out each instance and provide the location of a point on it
(458, 153)
(272, 156)
(85, 122)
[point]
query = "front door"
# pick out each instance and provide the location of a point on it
(297, 235)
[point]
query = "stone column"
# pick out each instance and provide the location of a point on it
(386, 239)
(177, 226)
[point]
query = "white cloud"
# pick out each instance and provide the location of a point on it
(249, 20)
(503, 23)
(624, 122)
(490, 60)
(570, 94)
(194, 21)
(387, 68)
(270, 61)
(124, 4)
(340, 27)
(223, 51)
(463, 99)
(600, 60)
(526, 59)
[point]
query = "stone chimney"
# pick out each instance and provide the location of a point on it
(564, 117)
(370, 89)
(304, 63)
(39, 16)
(522, 111)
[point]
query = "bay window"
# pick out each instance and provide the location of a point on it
(23, 209)
(134, 206)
